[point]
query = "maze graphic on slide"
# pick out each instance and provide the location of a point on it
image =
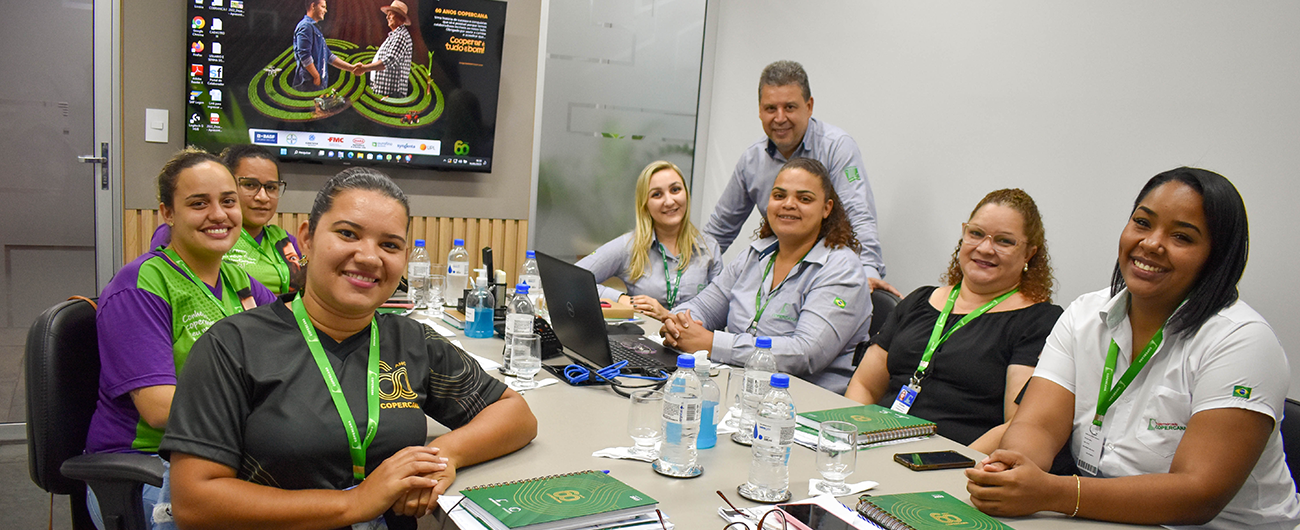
(271, 94)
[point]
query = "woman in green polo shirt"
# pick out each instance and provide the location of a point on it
(265, 251)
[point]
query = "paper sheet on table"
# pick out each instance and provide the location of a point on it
(465, 521)
(459, 515)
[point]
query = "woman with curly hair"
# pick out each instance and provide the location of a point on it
(663, 235)
(801, 283)
(959, 355)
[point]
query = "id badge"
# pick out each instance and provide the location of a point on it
(906, 396)
(1089, 460)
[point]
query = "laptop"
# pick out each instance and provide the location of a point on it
(574, 304)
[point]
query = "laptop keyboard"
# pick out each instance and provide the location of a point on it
(637, 356)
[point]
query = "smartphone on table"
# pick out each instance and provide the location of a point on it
(808, 516)
(934, 460)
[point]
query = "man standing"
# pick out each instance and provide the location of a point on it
(312, 53)
(785, 106)
(392, 64)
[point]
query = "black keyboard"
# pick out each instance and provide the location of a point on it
(637, 357)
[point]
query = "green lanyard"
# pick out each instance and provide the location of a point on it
(938, 337)
(761, 302)
(281, 268)
(671, 292)
(1106, 395)
(355, 445)
(226, 305)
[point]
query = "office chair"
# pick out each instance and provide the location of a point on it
(882, 303)
(62, 368)
(1291, 437)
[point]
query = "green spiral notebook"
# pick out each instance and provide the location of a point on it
(931, 510)
(875, 423)
(556, 502)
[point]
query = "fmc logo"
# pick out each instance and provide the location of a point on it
(336, 139)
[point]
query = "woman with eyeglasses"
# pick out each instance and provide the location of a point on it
(801, 283)
(266, 251)
(959, 354)
(1166, 386)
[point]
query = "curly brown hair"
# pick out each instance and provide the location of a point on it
(835, 229)
(1035, 283)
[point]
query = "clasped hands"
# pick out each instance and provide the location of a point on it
(685, 333)
(1009, 484)
(409, 482)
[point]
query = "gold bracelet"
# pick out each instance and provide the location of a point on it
(1078, 494)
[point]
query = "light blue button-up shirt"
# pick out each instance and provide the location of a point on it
(615, 257)
(751, 184)
(818, 315)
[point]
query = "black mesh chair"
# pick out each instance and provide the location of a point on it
(62, 368)
(1291, 437)
(882, 303)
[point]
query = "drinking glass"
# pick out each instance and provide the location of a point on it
(645, 421)
(735, 384)
(437, 280)
(837, 455)
(525, 359)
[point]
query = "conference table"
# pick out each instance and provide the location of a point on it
(573, 422)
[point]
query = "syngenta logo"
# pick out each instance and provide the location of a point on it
(1153, 425)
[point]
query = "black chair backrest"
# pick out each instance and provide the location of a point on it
(1291, 438)
(882, 303)
(62, 368)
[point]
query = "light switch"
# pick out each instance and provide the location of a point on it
(155, 125)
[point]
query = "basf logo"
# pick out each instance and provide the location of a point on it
(264, 138)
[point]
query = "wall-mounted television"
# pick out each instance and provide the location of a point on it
(248, 82)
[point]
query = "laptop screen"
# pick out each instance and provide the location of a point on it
(574, 303)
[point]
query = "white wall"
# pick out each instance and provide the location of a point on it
(1078, 103)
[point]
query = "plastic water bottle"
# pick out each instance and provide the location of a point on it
(530, 274)
(479, 309)
(457, 272)
(681, 421)
(758, 371)
(710, 413)
(769, 465)
(519, 319)
(417, 276)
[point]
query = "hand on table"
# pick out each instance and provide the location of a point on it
(1008, 484)
(685, 333)
(396, 477)
(418, 502)
(650, 307)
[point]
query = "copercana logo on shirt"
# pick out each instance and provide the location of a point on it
(395, 385)
(1153, 425)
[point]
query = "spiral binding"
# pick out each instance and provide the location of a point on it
(879, 516)
(534, 479)
(897, 433)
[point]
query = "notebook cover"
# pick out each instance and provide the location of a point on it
(559, 501)
(875, 423)
(931, 510)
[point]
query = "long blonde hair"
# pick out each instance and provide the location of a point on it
(687, 238)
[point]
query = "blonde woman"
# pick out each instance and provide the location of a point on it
(665, 260)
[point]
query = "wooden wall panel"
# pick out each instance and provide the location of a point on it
(507, 237)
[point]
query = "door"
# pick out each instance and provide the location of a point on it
(47, 196)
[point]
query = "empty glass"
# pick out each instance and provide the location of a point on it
(437, 280)
(837, 455)
(735, 384)
(645, 421)
(525, 359)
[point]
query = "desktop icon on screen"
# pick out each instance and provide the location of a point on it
(198, 23)
(214, 72)
(214, 118)
(216, 24)
(216, 48)
(196, 70)
(214, 95)
(196, 47)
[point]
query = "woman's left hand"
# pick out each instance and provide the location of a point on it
(685, 333)
(650, 307)
(419, 502)
(1009, 484)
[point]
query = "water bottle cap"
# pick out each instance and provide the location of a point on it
(685, 361)
(763, 342)
(458, 242)
(702, 360)
(531, 254)
(522, 288)
(419, 242)
(780, 381)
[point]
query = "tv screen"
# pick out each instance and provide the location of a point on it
(334, 82)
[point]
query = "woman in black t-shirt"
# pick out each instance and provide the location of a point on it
(983, 329)
(257, 435)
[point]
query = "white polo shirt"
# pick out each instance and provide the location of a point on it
(1233, 361)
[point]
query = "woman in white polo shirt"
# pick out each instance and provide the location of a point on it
(1168, 388)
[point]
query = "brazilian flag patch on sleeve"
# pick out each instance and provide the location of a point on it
(1242, 392)
(840, 303)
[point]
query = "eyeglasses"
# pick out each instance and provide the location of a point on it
(250, 186)
(972, 235)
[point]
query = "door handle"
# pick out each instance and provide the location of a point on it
(102, 159)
